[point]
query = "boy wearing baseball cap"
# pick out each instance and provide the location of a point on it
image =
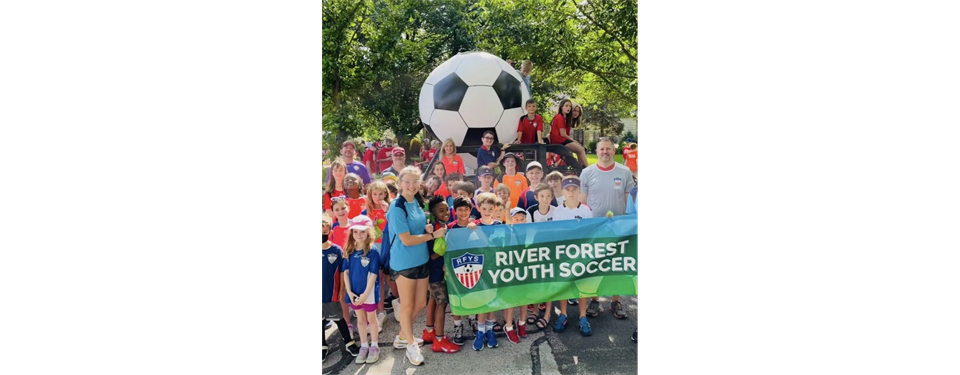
(485, 176)
(572, 209)
(535, 176)
(514, 180)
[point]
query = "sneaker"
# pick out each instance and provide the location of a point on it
(491, 339)
(458, 334)
(479, 341)
(634, 337)
(561, 323)
(396, 309)
(380, 318)
(374, 354)
(414, 355)
(443, 345)
(573, 302)
(362, 357)
(522, 330)
(399, 343)
(388, 302)
(325, 352)
(618, 311)
(585, 327)
(593, 309)
(512, 335)
(353, 348)
(428, 337)
(329, 324)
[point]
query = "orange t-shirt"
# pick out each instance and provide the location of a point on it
(443, 191)
(630, 159)
(453, 165)
(517, 184)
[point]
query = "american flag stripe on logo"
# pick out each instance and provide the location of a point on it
(469, 279)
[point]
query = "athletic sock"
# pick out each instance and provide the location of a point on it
(481, 328)
(374, 343)
(429, 328)
(489, 325)
(364, 345)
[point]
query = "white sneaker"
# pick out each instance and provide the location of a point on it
(399, 343)
(396, 309)
(381, 316)
(414, 355)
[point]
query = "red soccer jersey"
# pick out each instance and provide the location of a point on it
(385, 153)
(558, 123)
(328, 199)
(356, 206)
(368, 160)
(529, 128)
(338, 234)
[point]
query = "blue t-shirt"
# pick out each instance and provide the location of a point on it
(436, 265)
(359, 273)
(330, 272)
(404, 257)
(485, 156)
(632, 201)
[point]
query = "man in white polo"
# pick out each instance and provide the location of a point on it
(605, 188)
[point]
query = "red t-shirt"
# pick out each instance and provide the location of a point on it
(385, 153)
(443, 191)
(368, 160)
(529, 128)
(430, 155)
(328, 199)
(558, 123)
(376, 215)
(338, 235)
(630, 159)
(356, 206)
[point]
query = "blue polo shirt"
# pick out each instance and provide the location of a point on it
(330, 271)
(485, 156)
(360, 272)
(414, 222)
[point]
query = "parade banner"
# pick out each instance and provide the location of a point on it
(495, 267)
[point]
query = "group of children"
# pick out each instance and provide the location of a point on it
(356, 249)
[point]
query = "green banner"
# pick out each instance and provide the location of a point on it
(492, 268)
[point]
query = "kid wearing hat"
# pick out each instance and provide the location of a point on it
(361, 277)
(572, 209)
(515, 181)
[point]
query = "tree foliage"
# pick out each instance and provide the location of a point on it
(377, 53)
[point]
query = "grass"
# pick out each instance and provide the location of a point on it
(592, 158)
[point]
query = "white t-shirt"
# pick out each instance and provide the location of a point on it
(581, 212)
(537, 217)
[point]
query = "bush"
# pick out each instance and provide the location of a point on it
(592, 146)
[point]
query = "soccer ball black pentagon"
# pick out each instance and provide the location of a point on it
(471, 93)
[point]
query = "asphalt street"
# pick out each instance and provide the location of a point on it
(608, 351)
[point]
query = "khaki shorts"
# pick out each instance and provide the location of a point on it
(332, 311)
(438, 291)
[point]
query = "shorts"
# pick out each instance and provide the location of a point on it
(368, 307)
(438, 291)
(332, 311)
(416, 273)
(566, 142)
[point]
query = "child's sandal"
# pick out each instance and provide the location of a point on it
(532, 319)
(541, 323)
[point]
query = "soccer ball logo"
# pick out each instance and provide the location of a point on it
(468, 268)
(471, 93)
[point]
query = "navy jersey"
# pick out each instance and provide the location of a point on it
(436, 265)
(360, 268)
(330, 273)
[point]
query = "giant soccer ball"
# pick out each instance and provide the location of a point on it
(471, 93)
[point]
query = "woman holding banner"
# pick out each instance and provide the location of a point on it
(409, 258)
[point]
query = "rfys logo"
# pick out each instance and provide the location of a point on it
(468, 268)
